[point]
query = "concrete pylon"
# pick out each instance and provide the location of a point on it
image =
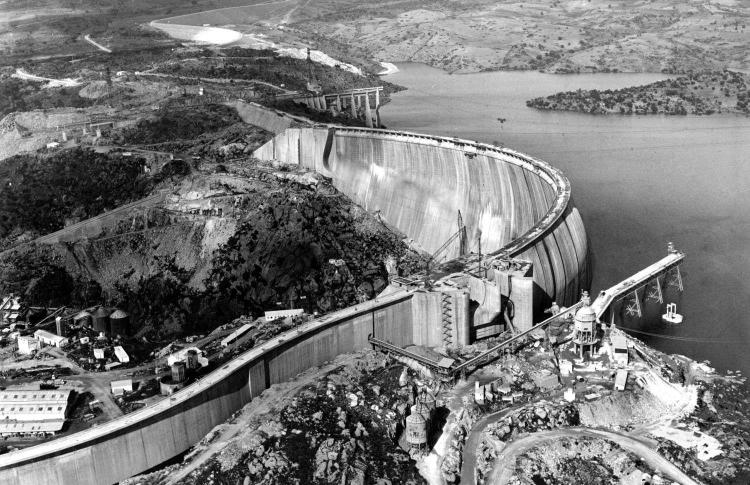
(353, 107)
(64, 136)
(323, 104)
(316, 103)
(368, 112)
(339, 106)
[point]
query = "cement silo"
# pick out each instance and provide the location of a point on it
(101, 320)
(119, 322)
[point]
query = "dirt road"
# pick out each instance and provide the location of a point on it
(505, 462)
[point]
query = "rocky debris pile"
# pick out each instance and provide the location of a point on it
(533, 418)
(722, 413)
(342, 429)
(529, 419)
(580, 460)
(450, 468)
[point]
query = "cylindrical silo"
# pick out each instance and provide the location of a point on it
(416, 429)
(119, 322)
(101, 320)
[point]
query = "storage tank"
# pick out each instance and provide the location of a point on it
(416, 429)
(101, 320)
(119, 322)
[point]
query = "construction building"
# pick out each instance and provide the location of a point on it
(619, 348)
(28, 344)
(270, 316)
(51, 339)
(33, 412)
(232, 337)
(122, 386)
(10, 309)
(121, 355)
(586, 330)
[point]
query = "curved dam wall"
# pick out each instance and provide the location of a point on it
(514, 204)
(521, 206)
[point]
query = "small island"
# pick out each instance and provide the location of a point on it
(700, 93)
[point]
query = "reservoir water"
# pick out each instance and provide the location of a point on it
(639, 182)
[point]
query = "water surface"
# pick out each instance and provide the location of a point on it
(639, 181)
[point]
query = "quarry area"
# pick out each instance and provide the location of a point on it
(187, 223)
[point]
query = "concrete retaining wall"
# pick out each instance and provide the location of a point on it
(144, 439)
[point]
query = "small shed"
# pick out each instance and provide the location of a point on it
(122, 386)
(621, 380)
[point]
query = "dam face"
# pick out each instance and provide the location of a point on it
(420, 183)
(518, 207)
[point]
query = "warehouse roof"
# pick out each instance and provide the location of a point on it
(47, 426)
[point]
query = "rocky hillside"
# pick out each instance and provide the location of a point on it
(232, 238)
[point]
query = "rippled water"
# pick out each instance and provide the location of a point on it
(639, 182)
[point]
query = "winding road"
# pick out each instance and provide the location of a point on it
(506, 460)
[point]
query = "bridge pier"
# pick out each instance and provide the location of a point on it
(633, 304)
(368, 112)
(674, 278)
(653, 291)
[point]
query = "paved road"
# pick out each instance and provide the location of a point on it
(505, 462)
(52, 83)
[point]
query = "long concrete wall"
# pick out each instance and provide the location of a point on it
(521, 206)
(142, 440)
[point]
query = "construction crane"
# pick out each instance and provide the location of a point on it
(460, 234)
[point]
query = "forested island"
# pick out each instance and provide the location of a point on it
(699, 93)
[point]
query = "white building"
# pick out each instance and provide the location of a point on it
(32, 411)
(121, 355)
(181, 356)
(275, 314)
(232, 337)
(99, 353)
(621, 380)
(27, 344)
(9, 308)
(49, 338)
(119, 387)
(619, 349)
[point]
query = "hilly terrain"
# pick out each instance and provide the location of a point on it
(559, 36)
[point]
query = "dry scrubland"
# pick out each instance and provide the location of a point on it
(556, 36)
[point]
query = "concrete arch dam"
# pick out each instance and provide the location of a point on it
(520, 205)
(517, 206)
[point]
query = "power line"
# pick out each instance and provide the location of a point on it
(685, 339)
